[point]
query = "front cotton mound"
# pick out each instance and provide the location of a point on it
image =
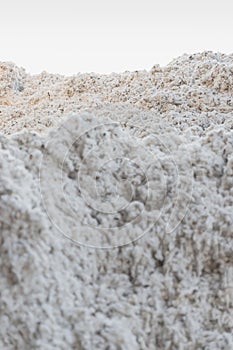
(119, 176)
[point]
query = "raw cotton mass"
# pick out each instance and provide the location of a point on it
(116, 208)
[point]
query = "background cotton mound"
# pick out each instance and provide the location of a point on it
(161, 142)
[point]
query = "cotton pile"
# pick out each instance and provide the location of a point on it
(116, 208)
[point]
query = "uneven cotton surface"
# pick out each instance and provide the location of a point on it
(105, 160)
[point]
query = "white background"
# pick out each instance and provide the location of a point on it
(71, 36)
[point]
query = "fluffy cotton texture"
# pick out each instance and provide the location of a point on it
(163, 141)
